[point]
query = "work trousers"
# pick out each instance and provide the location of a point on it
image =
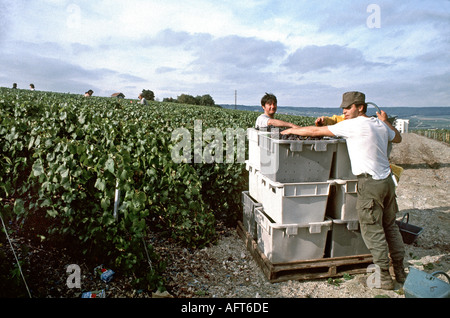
(377, 207)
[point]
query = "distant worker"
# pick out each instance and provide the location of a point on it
(143, 100)
(32, 86)
(269, 105)
(14, 86)
(89, 93)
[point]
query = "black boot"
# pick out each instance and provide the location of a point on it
(399, 271)
(386, 281)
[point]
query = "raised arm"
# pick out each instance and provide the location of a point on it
(384, 118)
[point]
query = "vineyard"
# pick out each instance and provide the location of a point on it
(436, 134)
(95, 175)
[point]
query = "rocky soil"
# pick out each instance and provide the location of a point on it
(227, 270)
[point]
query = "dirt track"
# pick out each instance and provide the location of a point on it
(228, 270)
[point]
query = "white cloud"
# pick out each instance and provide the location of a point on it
(326, 58)
(304, 51)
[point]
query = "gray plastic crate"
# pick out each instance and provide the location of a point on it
(346, 239)
(301, 202)
(342, 200)
(282, 243)
(248, 213)
(253, 181)
(254, 152)
(296, 160)
(341, 167)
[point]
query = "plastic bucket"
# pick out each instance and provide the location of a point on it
(408, 231)
(419, 284)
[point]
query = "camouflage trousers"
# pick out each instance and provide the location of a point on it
(377, 207)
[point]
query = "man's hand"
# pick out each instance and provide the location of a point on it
(319, 121)
(384, 118)
(382, 115)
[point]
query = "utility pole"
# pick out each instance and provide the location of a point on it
(235, 98)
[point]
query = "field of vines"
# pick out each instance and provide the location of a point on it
(64, 158)
(436, 134)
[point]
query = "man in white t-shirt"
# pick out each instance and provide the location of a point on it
(367, 142)
(269, 105)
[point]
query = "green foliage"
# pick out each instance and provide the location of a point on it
(64, 156)
(148, 94)
(205, 100)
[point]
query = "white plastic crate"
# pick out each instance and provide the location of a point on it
(296, 160)
(341, 167)
(302, 202)
(282, 243)
(254, 152)
(253, 148)
(342, 200)
(253, 181)
(346, 239)
(248, 213)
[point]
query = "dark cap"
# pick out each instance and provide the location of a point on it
(351, 98)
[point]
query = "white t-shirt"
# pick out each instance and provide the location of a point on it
(367, 142)
(261, 121)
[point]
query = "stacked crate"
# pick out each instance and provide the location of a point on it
(301, 199)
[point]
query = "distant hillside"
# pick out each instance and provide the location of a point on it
(419, 117)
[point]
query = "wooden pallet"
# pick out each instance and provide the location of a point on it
(306, 269)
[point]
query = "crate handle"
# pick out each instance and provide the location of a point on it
(291, 230)
(320, 146)
(353, 225)
(315, 228)
(297, 146)
(442, 273)
(407, 217)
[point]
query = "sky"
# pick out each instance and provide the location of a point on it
(307, 53)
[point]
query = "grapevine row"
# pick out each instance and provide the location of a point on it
(437, 134)
(65, 157)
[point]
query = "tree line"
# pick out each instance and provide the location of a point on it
(205, 100)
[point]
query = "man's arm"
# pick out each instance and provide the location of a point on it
(384, 118)
(309, 131)
(281, 123)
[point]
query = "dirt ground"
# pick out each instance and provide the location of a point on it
(227, 270)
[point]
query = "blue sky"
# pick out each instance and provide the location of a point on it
(305, 52)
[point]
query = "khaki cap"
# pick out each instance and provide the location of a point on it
(350, 98)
